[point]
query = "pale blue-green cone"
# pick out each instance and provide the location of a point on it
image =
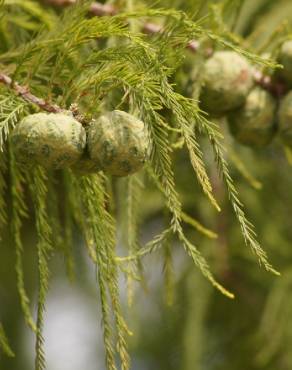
(254, 123)
(227, 79)
(52, 140)
(118, 143)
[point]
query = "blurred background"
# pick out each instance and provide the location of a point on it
(179, 321)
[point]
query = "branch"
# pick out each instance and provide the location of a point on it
(97, 9)
(60, 2)
(277, 88)
(26, 95)
(100, 10)
(23, 91)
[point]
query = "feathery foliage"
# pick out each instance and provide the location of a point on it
(99, 64)
(103, 233)
(39, 194)
(11, 109)
(19, 211)
(4, 343)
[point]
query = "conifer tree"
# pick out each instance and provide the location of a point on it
(111, 114)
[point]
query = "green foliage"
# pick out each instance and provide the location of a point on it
(102, 229)
(38, 189)
(11, 109)
(19, 211)
(3, 215)
(4, 345)
(129, 217)
(101, 64)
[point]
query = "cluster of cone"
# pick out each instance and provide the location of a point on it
(117, 143)
(254, 114)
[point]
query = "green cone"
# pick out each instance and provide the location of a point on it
(118, 143)
(52, 140)
(254, 123)
(226, 82)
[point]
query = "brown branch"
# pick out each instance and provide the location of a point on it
(60, 2)
(23, 91)
(26, 95)
(150, 28)
(275, 87)
(97, 9)
(100, 10)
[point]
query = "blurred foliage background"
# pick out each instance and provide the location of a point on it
(179, 321)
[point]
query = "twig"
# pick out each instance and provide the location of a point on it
(150, 28)
(277, 88)
(26, 95)
(100, 10)
(60, 2)
(23, 91)
(97, 9)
